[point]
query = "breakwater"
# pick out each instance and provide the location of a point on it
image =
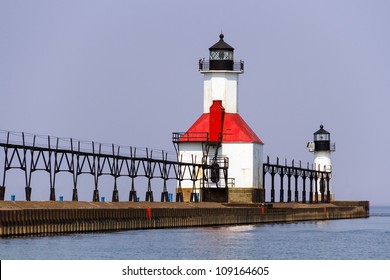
(26, 218)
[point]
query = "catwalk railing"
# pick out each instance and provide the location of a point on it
(31, 153)
(53, 155)
(238, 66)
(318, 178)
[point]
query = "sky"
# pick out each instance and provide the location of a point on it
(126, 72)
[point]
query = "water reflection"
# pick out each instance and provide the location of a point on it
(229, 231)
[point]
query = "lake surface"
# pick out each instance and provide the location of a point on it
(335, 240)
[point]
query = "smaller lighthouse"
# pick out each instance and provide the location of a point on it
(322, 149)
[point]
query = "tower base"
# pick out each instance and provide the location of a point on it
(246, 195)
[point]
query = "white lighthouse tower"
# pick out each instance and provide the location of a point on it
(221, 138)
(322, 149)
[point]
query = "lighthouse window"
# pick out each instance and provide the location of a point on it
(221, 55)
(321, 137)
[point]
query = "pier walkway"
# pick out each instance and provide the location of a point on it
(24, 218)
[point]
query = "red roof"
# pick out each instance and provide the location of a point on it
(235, 129)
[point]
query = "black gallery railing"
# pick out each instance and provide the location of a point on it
(318, 189)
(31, 153)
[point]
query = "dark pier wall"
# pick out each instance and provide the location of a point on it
(24, 221)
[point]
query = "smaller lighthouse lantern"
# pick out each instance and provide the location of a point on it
(321, 140)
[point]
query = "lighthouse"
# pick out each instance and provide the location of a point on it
(220, 139)
(322, 149)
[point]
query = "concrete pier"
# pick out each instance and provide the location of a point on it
(24, 218)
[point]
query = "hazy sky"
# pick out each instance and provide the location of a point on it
(126, 72)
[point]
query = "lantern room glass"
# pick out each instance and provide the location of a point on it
(221, 55)
(321, 137)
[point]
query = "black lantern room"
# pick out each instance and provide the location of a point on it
(221, 55)
(322, 140)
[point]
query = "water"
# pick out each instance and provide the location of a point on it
(337, 239)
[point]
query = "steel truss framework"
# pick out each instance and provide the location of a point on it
(319, 181)
(54, 155)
